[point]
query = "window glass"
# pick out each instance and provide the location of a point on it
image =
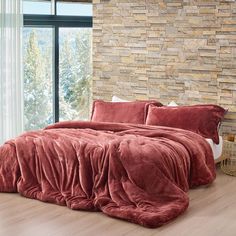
(74, 9)
(43, 81)
(75, 73)
(38, 64)
(37, 7)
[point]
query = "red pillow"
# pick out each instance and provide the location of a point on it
(201, 119)
(121, 112)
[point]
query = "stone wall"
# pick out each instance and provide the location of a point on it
(181, 50)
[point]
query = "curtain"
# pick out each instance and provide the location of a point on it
(11, 79)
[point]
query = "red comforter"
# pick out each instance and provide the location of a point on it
(134, 172)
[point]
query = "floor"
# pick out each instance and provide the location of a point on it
(212, 212)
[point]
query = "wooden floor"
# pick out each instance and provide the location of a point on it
(212, 212)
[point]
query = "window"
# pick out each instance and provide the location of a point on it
(37, 7)
(57, 61)
(74, 9)
(38, 71)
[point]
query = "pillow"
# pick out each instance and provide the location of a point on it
(172, 104)
(121, 112)
(117, 99)
(201, 119)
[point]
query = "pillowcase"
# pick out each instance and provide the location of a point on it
(201, 119)
(172, 104)
(117, 99)
(121, 112)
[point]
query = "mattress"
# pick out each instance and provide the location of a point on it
(216, 148)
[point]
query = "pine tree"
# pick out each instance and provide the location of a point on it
(83, 73)
(67, 80)
(37, 94)
(75, 75)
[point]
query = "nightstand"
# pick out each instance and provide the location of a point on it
(228, 162)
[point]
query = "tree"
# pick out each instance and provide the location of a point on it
(67, 79)
(75, 74)
(84, 73)
(37, 90)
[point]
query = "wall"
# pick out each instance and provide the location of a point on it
(167, 50)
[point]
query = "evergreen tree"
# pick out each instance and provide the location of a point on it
(75, 75)
(83, 73)
(37, 92)
(67, 78)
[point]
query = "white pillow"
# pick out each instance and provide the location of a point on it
(172, 104)
(117, 99)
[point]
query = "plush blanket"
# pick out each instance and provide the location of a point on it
(137, 173)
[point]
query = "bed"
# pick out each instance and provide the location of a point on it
(136, 172)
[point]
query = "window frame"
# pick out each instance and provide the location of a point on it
(57, 21)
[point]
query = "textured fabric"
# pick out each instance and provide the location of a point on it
(121, 112)
(11, 81)
(138, 173)
(201, 119)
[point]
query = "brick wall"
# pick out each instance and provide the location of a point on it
(181, 50)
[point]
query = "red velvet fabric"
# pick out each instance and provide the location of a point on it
(121, 112)
(138, 173)
(201, 119)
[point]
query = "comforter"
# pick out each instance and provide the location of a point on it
(138, 173)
